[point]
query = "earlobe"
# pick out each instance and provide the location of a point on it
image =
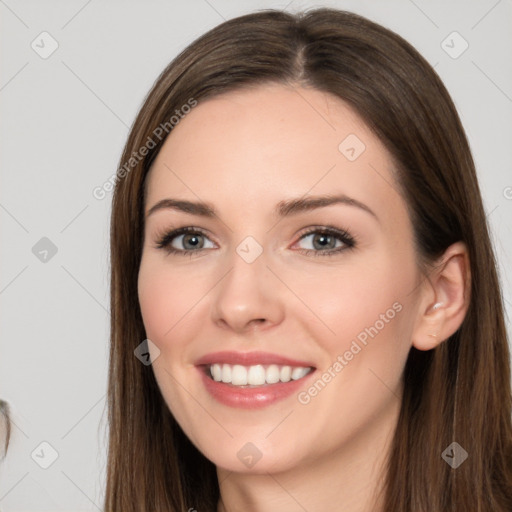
(445, 299)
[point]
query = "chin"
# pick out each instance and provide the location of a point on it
(258, 456)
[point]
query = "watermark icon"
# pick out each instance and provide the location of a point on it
(44, 45)
(249, 454)
(454, 455)
(507, 192)
(44, 250)
(160, 132)
(249, 249)
(304, 397)
(351, 147)
(44, 455)
(454, 45)
(147, 352)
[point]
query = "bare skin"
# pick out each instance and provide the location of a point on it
(244, 152)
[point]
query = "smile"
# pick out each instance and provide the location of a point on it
(252, 380)
(256, 375)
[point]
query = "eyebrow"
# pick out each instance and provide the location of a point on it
(282, 209)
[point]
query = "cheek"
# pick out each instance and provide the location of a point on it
(363, 314)
(368, 309)
(165, 298)
(348, 300)
(155, 303)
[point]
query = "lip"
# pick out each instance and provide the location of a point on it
(251, 397)
(249, 359)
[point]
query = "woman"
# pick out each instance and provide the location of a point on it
(373, 379)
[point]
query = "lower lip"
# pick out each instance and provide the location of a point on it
(251, 398)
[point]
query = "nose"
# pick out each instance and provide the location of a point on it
(249, 297)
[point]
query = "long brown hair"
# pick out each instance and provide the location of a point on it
(458, 392)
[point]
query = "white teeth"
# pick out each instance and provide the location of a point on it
(298, 373)
(226, 373)
(239, 375)
(256, 375)
(216, 372)
(272, 375)
(285, 374)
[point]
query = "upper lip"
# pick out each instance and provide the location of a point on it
(249, 359)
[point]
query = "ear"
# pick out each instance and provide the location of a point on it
(444, 298)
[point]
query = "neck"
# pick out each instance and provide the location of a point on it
(352, 477)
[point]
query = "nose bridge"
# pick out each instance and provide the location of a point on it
(247, 293)
(249, 250)
(248, 277)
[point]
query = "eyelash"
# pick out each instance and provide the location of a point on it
(164, 240)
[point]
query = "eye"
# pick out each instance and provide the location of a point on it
(182, 241)
(327, 241)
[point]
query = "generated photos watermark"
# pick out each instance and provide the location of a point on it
(361, 341)
(160, 132)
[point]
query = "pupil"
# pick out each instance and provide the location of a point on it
(188, 238)
(323, 238)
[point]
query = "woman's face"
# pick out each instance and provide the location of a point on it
(313, 304)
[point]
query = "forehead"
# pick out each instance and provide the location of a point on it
(261, 145)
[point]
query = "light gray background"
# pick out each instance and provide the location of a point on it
(64, 121)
